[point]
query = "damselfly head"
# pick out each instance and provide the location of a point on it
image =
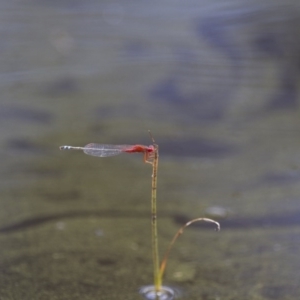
(150, 148)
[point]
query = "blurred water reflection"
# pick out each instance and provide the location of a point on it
(218, 85)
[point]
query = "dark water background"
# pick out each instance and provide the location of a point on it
(217, 82)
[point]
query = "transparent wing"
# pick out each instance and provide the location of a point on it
(102, 150)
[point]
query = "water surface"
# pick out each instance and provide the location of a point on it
(216, 82)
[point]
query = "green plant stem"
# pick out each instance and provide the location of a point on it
(157, 277)
(180, 232)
